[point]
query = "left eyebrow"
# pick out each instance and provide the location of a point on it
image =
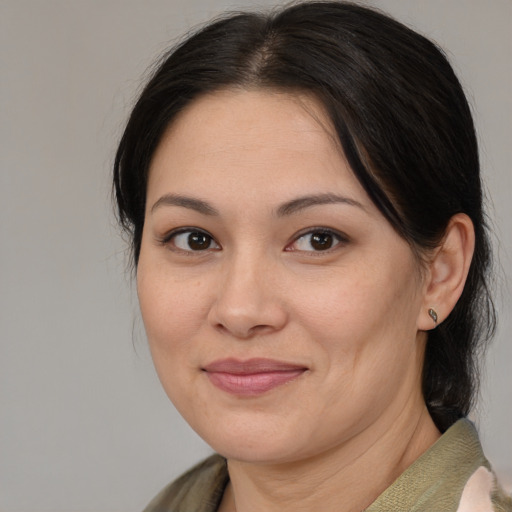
(301, 203)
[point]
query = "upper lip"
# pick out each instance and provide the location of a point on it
(251, 366)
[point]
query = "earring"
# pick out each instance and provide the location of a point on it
(433, 314)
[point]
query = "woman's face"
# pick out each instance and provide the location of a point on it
(281, 307)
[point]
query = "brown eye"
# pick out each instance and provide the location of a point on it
(193, 241)
(317, 241)
(199, 241)
(321, 241)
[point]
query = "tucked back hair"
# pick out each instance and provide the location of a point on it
(401, 117)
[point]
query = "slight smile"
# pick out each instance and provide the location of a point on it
(252, 377)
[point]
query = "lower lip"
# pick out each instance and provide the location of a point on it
(252, 384)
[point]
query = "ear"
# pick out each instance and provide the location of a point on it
(447, 271)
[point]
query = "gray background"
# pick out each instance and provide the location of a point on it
(84, 425)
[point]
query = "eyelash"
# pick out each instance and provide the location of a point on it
(337, 240)
(168, 239)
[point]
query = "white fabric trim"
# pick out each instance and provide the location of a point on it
(476, 496)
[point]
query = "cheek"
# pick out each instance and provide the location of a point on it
(352, 301)
(364, 321)
(173, 311)
(369, 354)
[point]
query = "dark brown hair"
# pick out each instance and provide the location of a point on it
(401, 117)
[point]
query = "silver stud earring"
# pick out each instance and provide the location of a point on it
(433, 314)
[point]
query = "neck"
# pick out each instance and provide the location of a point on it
(348, 477)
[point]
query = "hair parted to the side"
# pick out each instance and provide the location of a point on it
(401, 117)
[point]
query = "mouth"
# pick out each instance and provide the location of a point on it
(251, 377)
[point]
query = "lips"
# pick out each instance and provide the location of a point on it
(251, 377)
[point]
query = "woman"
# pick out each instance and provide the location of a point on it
(303, 195)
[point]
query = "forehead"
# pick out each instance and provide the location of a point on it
(256, 138)
(240, 119)
(250, 108)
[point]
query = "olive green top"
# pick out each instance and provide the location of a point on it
(453, 475)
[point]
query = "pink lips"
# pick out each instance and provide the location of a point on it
(252, 377)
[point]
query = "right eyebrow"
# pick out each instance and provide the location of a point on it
(185, 202)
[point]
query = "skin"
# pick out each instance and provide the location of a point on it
(354, 315)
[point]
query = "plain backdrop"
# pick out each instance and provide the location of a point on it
(84, 425)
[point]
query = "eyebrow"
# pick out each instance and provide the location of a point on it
(288, 208)
(185, 202)
(301, 203)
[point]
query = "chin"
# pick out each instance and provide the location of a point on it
(268, 444)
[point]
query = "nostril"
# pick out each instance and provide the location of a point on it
(260, 329)
(241, 332)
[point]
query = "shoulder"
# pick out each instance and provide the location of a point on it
(453, 476)
(199, 489)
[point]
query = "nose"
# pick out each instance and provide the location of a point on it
(248, 301)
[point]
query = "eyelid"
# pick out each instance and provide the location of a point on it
(166, 239)
(340, 236)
